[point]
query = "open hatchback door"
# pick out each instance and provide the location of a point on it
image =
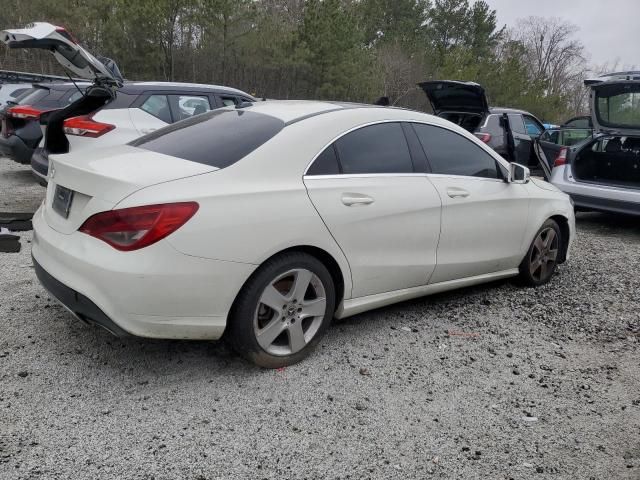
(454, 96)
(615, 103)
(66, 51)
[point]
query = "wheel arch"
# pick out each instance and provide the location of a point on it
(563, 223)
(337, 275)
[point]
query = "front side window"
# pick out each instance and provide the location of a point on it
(229, 101)
(533, 127)
(450, 153)
(158, 106)
(380, 148)
(516, 122)
(186, 106)
(579, 123)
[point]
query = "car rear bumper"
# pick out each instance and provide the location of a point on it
(13, 147)
(156, 292)
(79, 305)
(599, 197)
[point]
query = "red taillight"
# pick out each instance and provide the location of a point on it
(484, 137)
(137, 227)
(25, 111)
(561, 159)
(85, 126)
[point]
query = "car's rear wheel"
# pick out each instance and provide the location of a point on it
(282, 311)
(541, 260)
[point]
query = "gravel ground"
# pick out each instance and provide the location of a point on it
(19, 191)
(490, 382)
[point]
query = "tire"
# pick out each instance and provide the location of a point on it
(272, 323)
(540, 263)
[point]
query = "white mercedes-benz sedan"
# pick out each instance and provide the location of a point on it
(264, 222)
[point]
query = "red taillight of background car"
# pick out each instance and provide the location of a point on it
(137, 227)
(484, 137)
(86, 126)
(561, 158)
(25, 112)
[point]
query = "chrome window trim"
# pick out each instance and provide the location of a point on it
(474, 140)
(378, 175)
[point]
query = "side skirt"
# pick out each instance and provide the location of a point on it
(354, 306)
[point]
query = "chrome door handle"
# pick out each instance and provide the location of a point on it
(351, 199)
(457, 192)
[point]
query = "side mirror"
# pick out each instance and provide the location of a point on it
(518, 173)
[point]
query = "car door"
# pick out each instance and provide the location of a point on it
(521, 140)
(384, 215)
(548, 146)
(483, 217)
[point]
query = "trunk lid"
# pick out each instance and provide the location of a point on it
(615, 103)
(454, 96)
(98, 183)
(65, 49)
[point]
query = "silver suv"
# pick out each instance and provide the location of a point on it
(602, 172)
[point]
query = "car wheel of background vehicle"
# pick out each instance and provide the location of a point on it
(282, 311)
(541, 260)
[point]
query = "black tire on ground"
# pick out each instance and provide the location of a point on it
(541, 260)
(249, 317)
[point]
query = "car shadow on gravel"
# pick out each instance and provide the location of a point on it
(609, 223)
(140, 359)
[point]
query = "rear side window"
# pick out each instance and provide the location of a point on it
(380, 148)
(326, 163)
(218, 138)
(158, 106)
(451, 154)
(516, 123)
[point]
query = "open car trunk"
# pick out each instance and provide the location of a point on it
(466, 120)
(55, 140)
(613, 161)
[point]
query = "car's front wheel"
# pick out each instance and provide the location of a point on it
(282, 311)
(541, 260)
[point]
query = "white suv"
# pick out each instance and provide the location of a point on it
(137, 109)
(110, 111)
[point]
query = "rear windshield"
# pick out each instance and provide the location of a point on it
(218, 138)
(619, 105)
(32, 96)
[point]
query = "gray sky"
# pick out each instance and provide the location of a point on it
(609, 29)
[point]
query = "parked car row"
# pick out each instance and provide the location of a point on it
(58, 118)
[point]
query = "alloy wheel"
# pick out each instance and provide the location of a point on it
(290, 312)
(543, 254)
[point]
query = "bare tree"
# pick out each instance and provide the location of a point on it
(553, 56)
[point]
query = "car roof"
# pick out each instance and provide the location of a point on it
(495, 110)
(293, 111)
(139, 87)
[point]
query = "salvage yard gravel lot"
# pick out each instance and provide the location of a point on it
(493, 382)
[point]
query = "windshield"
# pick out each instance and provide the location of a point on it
(218, 138)
(619, 105)
(31, 96)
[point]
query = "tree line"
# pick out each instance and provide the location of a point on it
(351, 50)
